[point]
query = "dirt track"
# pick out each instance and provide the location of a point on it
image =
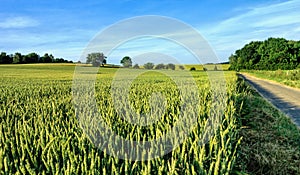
(285, 98)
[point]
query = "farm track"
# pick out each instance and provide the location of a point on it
(284, 98)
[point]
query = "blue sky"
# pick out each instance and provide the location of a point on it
(65, 28)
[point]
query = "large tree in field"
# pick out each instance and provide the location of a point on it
(126, 61)
(96, 59)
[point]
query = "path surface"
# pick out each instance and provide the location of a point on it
(285, 98)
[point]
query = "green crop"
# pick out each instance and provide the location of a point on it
(40, 133)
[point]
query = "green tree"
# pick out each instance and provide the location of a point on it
(160, 66)
(215, 68)
(271, 54)
(148, 65)
(17, 58)
(126, 61)
(171, 66)
(31, 58)
(96, 59)
(192, 69)
(47, 58)
(136, 66)
(5, 59)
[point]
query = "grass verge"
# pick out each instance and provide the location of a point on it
(286, 77)
(271, 142)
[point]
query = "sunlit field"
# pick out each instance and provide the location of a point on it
(40, 132)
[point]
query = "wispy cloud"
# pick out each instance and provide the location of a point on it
(18, 22)
(259, 23)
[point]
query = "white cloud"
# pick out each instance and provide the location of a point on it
(18, 22)
(259, 23)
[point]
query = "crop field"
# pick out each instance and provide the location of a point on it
(41, 132)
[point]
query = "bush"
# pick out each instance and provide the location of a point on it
(181, 67)
(148, 65)
(192, 69)
(160, 66)
(171, 66)
(215, 68)
(136, 66)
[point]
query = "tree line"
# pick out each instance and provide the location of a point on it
(127, 62)
(271, 54)
(18, 58)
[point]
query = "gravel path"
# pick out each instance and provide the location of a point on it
(285, 98)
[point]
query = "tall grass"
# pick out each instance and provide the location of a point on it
(271, 141)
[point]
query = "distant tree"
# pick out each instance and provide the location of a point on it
(181, 67)
(31, 58)
(204, 69)
(192, 69)
(148, 65)
(61, 60)
(17, 58)
(47, 58)
(104, 62)
(160, 66)
(96, 59)
(215, 68)
(136, 66)
(126, 61)
(5, 59)
(171, 66)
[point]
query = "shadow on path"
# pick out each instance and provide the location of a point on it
(285, 99)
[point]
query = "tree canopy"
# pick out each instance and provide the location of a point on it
(271, 54)
(18, 58)
(96, 59)
(148, 65)
(126, 61)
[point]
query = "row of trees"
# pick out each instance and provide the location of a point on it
(18, 58)
(127, 62)
(271, 54)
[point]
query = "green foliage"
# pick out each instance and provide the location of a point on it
(181, 67)
(148, 65)
(160, 66)
(18, 58)
(192, 69)
(271, 54)
(270, 139)
(96, 59)
(136, 66)
(171, 66)
(47, 58)
(5, 59)
(215, 68)
(126, 61)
